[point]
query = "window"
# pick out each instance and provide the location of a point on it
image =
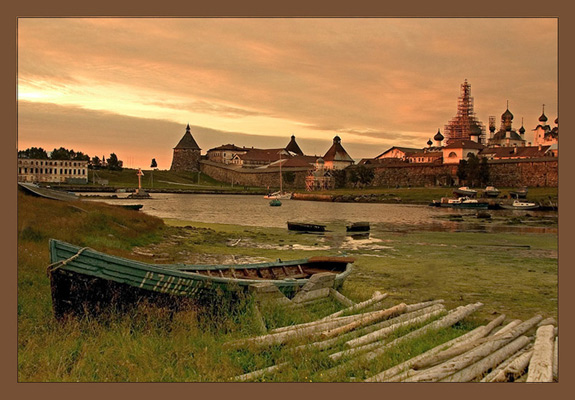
(452, 155)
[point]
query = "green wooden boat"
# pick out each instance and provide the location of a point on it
(80, 275)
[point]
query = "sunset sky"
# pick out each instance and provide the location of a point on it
(131, 85)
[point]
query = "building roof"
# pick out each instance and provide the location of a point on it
(230, 147)
(296, 162)
(434, 154)
(293, 146)
(465, 144)
(406, 150)
(502, 133)
(267, 155)
(187, 141)
(336, 152)
(515, 152)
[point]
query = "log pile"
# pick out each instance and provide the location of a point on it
(354, 336)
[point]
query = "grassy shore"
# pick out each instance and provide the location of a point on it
(510, 273)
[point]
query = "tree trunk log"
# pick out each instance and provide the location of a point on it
(460, 348)
(492, 360)
(541, 364)
(260, 372)
(512, 369)
(464, 360)
(375, 298)
(382, 333)
(396, 310)
(450, 319)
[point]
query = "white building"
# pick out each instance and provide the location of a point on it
(53, 171)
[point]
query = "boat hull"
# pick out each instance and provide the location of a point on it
(75, 271)
(358, 227)
(301, 227)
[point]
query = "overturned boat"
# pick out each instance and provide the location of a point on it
(80, 276)
(305, 227)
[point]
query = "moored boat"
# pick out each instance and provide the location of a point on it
(278, 195)
(48, 193)
(275, 202)
(519, 193)
(80, 276)
(358, 227)
(465, 191)
(520, 205)
(463, 202)
(305, 227)
(491, 191)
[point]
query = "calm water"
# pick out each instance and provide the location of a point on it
(255, 211)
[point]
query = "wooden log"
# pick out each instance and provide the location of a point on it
(425, 304)
(556, 359)
(307, 296)
(396, 310)
(450, 367)
(384, 332)
(541, 363)
(450, 319)
(460, 348)
(260, 372)
(340, 298)
(512, 368)
(286, 336)
(375, 298)
(401, 371)
(548, 321)
(325, 344)
(480, 367)
(508, 327)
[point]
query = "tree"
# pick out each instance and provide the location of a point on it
(95, 163)
(36, 153)
(365, 175)
(462, 170)
(60, 154)
(154, 164)
(114, 164)
(484, 174)
(339, 178)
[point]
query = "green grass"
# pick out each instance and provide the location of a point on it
(152, 344)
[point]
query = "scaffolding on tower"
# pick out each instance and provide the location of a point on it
(465, 123)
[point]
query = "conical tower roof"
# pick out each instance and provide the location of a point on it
(293, 146)
(336, 152)
(187, 141)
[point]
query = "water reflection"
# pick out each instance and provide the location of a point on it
(255, 211)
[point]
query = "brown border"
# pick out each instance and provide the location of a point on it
(10, 13)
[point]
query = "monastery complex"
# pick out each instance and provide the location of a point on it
(464, 136)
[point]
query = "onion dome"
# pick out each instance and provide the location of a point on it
(557, 121)
(507, 115)
(543, 118)
(475, 131)
(522, 130)
(438, 136)
(429, 142)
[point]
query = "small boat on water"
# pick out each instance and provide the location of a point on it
(132, 206)
(358, 227)
(461, 202)
(305, 227)
(519, 193)
(275, 203)
(465, 191)
(278, 195)
(491, 191)
(80, 276)
(520, 205)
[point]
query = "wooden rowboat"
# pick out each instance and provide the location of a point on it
(358, 227)
(305, 227)
(75, 272)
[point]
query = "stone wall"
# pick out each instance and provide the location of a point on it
(254, 177)
(187, 160)
(529, 172)
(503, 173)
